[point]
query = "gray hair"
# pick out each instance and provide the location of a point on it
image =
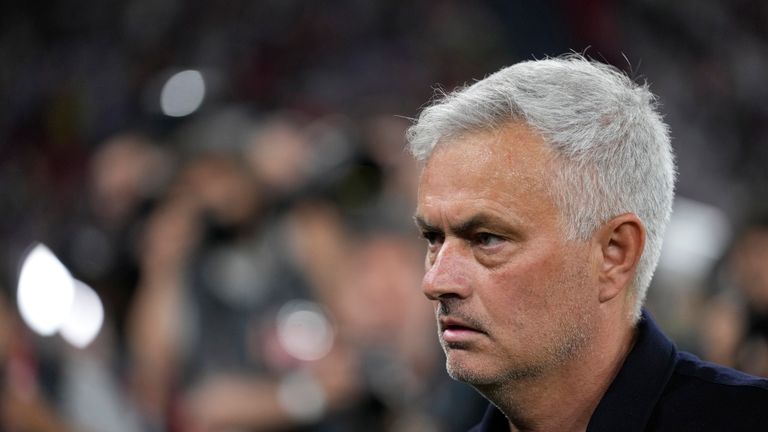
(612, 145)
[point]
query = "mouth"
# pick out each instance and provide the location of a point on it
(454, 330)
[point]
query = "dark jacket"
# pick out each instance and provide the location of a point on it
(661, 389)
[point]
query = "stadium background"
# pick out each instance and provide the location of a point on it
(229, 178)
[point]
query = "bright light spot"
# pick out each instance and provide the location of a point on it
(85, 317)
(304, 330)
(302, 397)
(45, 292)
(696, 237)
(182, 94)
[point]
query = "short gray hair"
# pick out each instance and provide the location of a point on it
(612, 145)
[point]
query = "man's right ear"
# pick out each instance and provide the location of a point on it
(620, 241)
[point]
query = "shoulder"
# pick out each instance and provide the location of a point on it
(703, 396)
(691, 367)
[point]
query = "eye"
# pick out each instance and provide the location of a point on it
(486, 239)
(433, 238)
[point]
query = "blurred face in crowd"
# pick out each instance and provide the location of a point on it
(749, 266)
(511, 293)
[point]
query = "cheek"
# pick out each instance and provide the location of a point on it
(534, 288)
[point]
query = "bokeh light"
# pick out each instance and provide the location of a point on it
(696, 237)
(183, 93)
(304, 330)
(51, 300)
(85, 319)
(45, 292)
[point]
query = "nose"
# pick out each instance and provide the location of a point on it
(448, 274)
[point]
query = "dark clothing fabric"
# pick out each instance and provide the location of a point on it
(661, 389)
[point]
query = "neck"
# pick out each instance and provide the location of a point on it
(563, 399)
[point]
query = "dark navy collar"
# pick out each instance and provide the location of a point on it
(633, 394)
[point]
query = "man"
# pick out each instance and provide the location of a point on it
(543, 198)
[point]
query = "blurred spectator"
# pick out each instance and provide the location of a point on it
(734, 327)
(126, 176)
(234, 245)
(217, 267)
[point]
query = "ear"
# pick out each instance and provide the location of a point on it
(620, 242)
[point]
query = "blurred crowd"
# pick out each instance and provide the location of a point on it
(256, 259)
(270, 285)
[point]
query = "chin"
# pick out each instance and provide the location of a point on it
(463, 369)
(467, 376)
(479, 373)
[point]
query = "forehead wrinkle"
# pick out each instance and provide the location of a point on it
(527, 155)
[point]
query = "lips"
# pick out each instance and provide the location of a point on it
(452, 323)
(456, 330)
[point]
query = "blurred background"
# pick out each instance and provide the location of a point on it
(205, 207)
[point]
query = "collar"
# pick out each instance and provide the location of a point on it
(630, 399)
(633, 394)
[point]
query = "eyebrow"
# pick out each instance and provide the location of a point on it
(424, 225)
(467, 227)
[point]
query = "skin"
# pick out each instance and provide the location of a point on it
(536, 322)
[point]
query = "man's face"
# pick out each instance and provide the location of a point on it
(512, 295)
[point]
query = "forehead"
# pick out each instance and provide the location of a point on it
(515, 155)
(505, 170)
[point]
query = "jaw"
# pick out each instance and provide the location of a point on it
(482, 362)
(485, 372)
(468, 367)
(477, 364)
